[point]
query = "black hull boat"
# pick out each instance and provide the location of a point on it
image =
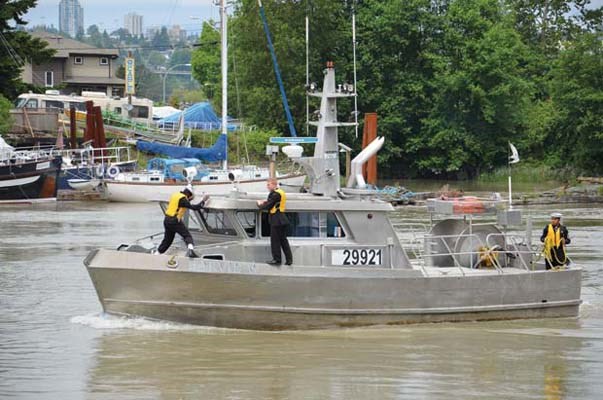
(29, 180)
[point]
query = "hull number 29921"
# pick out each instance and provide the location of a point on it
(357, 256)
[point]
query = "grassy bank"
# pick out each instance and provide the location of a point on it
(527, 172)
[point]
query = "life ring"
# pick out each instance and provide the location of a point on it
(113, 171)
(100, 171)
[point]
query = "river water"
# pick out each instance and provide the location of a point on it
(56, 344)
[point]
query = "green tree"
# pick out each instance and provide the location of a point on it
(161, 41)
(480, 92)
(17, 47)
(94, 36)
(180, 56)
(156, 59)
(5, 118)
(206, 60)
(576, 136)
(253, 85)
(396, 72)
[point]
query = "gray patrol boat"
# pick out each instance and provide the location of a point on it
(351, 267)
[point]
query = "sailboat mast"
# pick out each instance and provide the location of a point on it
(224, 54)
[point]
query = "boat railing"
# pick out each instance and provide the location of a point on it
(487, 252)
(27, 154)
(93, 155)
(411, 236)
(454, 254)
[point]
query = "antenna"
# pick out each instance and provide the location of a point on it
(224, 65)
(354, 55)
(307, 74)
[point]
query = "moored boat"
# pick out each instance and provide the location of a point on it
(92, 164)
(28, 175)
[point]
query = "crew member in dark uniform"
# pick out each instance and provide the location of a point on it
(555, 236)
(173, 223)
(279, 223)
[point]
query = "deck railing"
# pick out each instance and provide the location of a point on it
(419, 244)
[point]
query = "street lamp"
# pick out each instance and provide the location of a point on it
(165, 74)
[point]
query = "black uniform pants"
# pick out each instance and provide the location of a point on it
(556, 258)
(278, 241)
(172, 227)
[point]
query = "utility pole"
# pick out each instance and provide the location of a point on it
(129, 94)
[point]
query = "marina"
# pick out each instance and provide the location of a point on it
(208, 210)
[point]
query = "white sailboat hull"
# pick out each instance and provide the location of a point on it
(141, 192)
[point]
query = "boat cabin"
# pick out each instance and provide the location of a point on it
(322, 232)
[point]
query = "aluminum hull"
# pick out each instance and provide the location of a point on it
(132, 192)
(262, 297)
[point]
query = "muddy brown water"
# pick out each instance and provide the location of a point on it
(56, 344)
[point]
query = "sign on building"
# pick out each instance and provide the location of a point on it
(130, 76)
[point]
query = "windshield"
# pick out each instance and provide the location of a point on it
(20, 102)
(217, 222)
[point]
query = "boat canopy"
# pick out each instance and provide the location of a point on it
(215, 153)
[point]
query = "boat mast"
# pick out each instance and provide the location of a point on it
(224, 55)
(355, 80)
(307, 75)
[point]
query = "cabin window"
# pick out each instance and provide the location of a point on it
(31, 103)
(104, 61)
(308, 224)
(78, 60)
(154, 179)
(78, 105)
(117, 110)
(135, 179)
(213, 178)
(139, 112)
(177, 169)
(217, 222)
(247, 219)
(49, 79)
(54, 104)
(334, 228)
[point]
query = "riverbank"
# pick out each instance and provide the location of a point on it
(586, 193)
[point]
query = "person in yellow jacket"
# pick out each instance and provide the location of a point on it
(555, 236)
(275, 205)
(177, 206)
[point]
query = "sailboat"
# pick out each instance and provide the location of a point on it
(157, 185)
(27, 175)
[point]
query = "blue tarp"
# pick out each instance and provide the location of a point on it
(215, 153)
(198, 116)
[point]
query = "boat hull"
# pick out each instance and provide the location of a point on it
(88, 172)
(30, 181)
(261, 297)
(133, 192)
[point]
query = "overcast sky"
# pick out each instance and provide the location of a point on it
(109, 14)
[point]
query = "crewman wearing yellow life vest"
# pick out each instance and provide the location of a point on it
(555, 236)
(275, 204)
(173, 224)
